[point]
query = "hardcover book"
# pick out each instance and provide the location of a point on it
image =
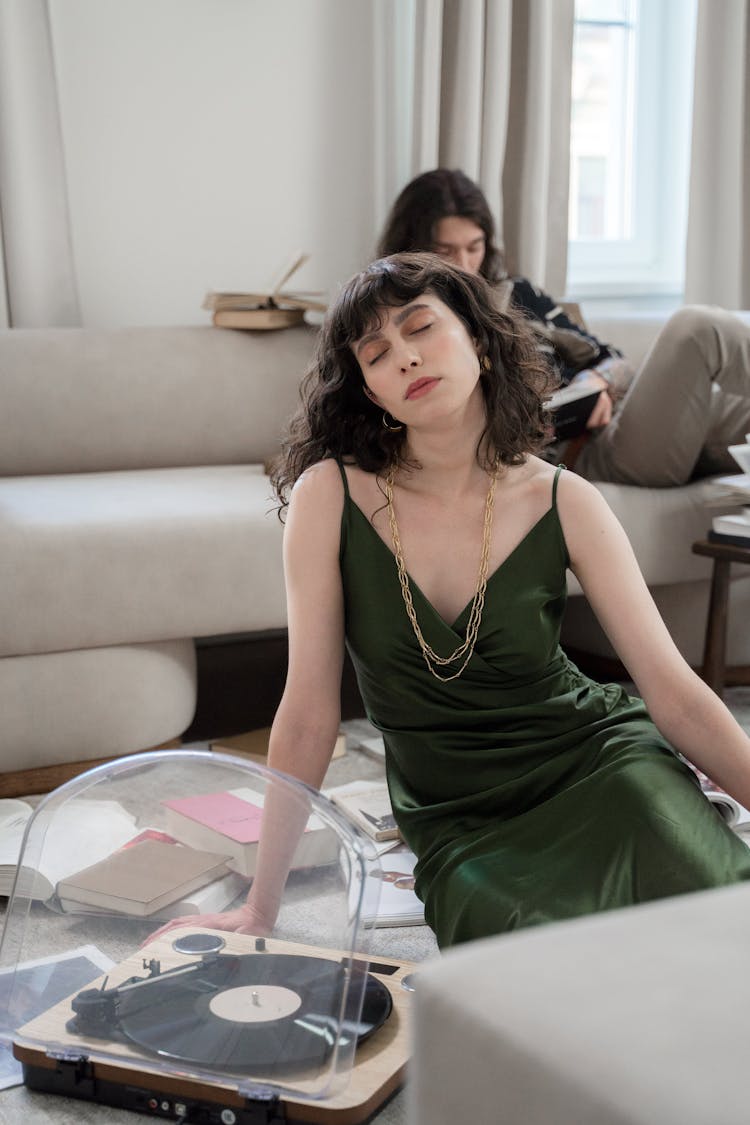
(733, 528)
(230, 822)
(141, 879)
(368, 805)
(571, 408)
(273, 308)
(210, 898)
(729, 540)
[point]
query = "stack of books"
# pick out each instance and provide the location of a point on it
(274, 307)
(230, 822)
(142, 878)
(733, 529)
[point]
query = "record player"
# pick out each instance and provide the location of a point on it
(197, 1023)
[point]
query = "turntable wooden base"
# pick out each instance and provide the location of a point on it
(114, 1073)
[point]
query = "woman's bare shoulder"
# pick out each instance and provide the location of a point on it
(539, 476)
(319, 482)
(534, 477)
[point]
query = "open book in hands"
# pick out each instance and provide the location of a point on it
(571, 407)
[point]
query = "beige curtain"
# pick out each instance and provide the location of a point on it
(40, 287)
(491, 95)
(717, 268)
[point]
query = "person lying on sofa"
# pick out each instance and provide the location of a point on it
(690, 399)
(424, 531)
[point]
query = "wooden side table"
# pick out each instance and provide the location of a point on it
(714, 651)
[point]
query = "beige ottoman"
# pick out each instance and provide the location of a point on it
(637, 1016)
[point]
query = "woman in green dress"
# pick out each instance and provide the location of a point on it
(424, 532)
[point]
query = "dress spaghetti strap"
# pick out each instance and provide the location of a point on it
(554, 485)
(344, 479)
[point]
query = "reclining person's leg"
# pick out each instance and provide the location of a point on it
(688, 402)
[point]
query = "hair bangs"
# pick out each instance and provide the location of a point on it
(361, 304)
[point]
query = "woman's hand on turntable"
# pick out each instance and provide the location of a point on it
(244, 920)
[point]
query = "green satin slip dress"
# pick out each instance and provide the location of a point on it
(528, 791)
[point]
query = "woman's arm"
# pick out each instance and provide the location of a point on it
(686, 711)
(306, 725)
(307, 721)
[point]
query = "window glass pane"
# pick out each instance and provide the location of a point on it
(607, 10)
(591, 197)
(602, 115)
(631, 106)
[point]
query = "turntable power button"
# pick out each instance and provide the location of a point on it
(228, 1117)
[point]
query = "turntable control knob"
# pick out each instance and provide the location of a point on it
(228, 1117)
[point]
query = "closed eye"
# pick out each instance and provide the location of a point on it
(420, 328)
(374, 359)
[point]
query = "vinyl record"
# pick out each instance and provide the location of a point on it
(258, 1013)
(377, 1005)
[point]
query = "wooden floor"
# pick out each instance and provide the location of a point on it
(43, 779)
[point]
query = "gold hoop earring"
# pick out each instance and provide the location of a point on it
(388, 422)
(486, 363)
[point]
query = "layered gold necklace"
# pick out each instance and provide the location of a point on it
(465, 650)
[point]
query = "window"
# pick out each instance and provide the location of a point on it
(630, 145)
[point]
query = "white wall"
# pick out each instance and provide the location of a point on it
(206, 141)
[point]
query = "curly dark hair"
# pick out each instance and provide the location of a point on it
(434, 196)
(336, 419)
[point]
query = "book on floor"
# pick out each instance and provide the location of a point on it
(398, 904)
(80, 832)
(735, 814)
(141, 879)
(363, 736)
(210, 898)
(230, 821)
(368, 805)
(274, 307)
(571, 408)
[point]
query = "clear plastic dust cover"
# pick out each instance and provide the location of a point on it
(111, 951)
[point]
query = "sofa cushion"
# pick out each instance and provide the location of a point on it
(86, 400)
(114, 558)
(662, 524)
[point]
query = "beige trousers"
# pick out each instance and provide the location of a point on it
(688, 402)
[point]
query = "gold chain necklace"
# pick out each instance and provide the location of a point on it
(466, 650)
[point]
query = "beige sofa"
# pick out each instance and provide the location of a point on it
(141, 556)
(134, 518)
